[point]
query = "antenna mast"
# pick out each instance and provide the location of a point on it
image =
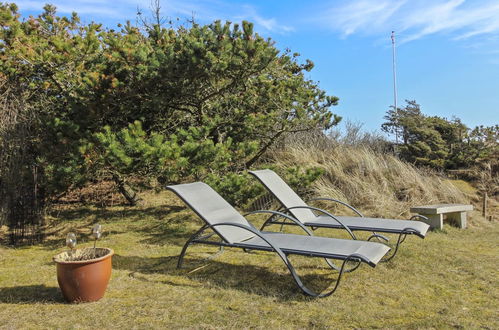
(395, 91)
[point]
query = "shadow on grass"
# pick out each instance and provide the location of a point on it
(83, 237)
(111, 214)
(145, 265)
(162, 227)
(211, 273)
(31, 294)
(176, 230)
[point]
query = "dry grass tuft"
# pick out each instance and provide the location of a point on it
(377, 184)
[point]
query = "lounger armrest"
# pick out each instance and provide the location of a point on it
(418, 216)
(284, 215)
(339, 202)
(409, 230)
(326, 213)
(256, 232)
(417, 232)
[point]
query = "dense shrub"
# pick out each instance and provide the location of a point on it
(154, 103)
(441, 143)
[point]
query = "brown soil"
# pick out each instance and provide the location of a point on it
(81, 254)
(102, 193)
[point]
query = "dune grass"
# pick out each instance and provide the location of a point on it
(448, 280)
(380, 184)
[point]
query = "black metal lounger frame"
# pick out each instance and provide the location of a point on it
(197, 238)
(401, 237)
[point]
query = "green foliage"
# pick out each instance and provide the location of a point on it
(479, 146)
(45, 59)
(168, 104)
(58, 152)
(133, 151)
(187, 155)
(236, 188)
(300, 179)
(240, 188)
(441, 143)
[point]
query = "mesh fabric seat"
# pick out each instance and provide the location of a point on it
(307, 215)
(235, 231)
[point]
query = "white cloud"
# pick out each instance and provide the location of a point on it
(360, 15)
(82, 7)
(415, 19)
(201, 10)
(210, 10)
(268, 24)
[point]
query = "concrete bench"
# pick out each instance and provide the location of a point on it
(435, 214)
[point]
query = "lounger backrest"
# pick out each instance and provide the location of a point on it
(213, 209)
(284, 194)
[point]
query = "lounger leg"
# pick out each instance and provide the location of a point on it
(403, 234)
(333, 266)
(181, 256)
(307, 290)
(401, 238)
(267, 222)
(283, 257)
(375, 235)
(189, 242)
(342, 270)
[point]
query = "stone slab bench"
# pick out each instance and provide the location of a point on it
(436, 213)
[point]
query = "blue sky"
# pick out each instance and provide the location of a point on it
(447, 50)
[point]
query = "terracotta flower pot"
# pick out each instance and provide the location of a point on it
(84, 281)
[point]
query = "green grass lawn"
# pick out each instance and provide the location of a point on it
(448, 280)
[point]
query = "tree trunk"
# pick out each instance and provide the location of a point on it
(126, 190)
(263, 149)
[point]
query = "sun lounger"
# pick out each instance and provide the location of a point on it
(235, 231)
(292, 204)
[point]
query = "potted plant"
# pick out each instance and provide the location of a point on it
(83, 274)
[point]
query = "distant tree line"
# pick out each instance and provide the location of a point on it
(441, 143)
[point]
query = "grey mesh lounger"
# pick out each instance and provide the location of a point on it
(235, 231)
(294, 205)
